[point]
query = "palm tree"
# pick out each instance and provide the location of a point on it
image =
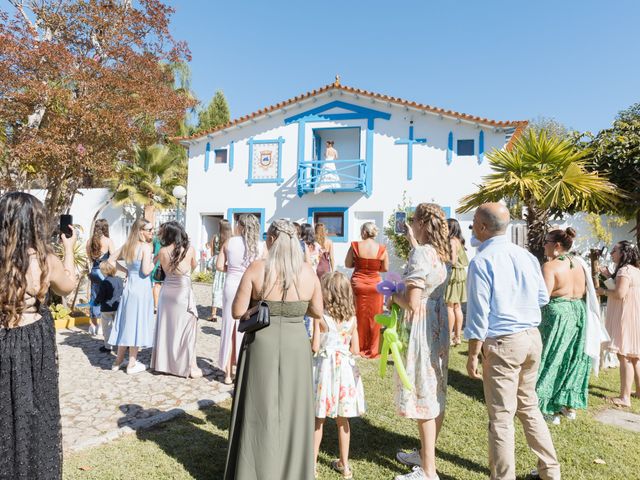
(147, 182)
(547, 176)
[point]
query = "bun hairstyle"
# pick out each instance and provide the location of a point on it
(563, 237)
(368, 230)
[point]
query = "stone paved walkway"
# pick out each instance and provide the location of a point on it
(99, 405)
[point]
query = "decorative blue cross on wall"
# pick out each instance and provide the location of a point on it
(409, 143)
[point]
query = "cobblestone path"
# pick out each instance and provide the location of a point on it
(99, 405)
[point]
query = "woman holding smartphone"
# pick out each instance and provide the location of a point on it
(30, 431)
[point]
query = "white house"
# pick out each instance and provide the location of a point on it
(269, 163)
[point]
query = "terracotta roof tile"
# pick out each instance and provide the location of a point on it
(518, 124)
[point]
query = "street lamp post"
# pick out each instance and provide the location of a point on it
(180, 193)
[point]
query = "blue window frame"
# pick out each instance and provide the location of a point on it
(335, 220)
(234, 213)
(465, 148)
(221, 155)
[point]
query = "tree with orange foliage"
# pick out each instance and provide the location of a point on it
(82, 82)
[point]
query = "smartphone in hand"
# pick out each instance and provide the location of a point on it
(400, 223)
(66, 225)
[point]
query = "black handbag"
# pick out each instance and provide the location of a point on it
(256, 318)
(159, 275)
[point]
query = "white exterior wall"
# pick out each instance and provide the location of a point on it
(85, 205)
(218, 189)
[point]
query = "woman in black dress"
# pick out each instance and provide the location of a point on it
(30, 436)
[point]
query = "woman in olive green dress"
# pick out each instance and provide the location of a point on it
(563, 376)
(456, 293)
(272, 419)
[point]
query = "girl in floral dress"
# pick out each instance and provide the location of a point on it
(337, 385)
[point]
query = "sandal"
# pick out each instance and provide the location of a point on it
(347, 474)
(618, 402)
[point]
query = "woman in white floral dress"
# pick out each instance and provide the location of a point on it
(425, 326)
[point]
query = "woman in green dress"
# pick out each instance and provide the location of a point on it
(272, 418)
(563, 376)
(456, 293)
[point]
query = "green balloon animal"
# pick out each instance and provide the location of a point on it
(392, 343)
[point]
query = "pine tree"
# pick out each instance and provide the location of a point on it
(216, 113)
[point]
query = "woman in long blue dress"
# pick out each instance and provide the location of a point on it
(134, 323)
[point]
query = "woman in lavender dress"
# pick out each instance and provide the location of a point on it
(174, 347)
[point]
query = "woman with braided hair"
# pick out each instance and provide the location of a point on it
(235, 256)
(426, 326)
(30, 431)
(272, 419)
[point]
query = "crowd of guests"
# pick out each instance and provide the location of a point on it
(155, 307)
(537, 331)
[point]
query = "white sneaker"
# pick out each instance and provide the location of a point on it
(137, 368)
(115, 367)
(92, 330)
(410, 459)
(568, 413)
(416, 474)
(552, 419)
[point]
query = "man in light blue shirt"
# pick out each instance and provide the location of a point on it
(505, 292)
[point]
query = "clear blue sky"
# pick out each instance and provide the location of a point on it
(575, 61)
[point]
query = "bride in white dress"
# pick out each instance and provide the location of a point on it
(329, 178)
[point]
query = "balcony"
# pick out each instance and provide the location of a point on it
(352, 177)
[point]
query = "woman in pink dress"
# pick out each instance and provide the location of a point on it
(623, 318)
(236, 254)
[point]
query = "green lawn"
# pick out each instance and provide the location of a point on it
(194, 446)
